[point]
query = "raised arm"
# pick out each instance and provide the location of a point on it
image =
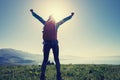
(65, 19)
(37, 17)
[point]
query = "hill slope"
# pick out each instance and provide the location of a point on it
(16, 57)
(68, 72)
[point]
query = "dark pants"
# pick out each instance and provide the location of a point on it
(46, 49)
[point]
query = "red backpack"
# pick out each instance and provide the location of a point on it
(49, 30)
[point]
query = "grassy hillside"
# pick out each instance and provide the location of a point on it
(69, 72)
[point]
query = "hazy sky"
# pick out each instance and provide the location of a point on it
(94, 30)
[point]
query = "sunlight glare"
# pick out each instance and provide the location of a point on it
(58, 9)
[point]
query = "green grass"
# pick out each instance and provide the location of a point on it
(69, 72)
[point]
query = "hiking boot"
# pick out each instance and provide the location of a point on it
(42, 77)
(59, 77)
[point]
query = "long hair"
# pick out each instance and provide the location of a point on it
(51, 19)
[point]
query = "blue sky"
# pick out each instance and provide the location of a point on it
(93, 31)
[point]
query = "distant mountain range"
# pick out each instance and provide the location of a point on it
(10, 56)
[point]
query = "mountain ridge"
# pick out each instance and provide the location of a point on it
(9, 56)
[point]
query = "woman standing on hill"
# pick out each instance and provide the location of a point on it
(50, 41)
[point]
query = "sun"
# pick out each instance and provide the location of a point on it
(57, 14)
(57, 8)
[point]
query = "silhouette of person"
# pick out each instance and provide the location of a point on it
(50, 41)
